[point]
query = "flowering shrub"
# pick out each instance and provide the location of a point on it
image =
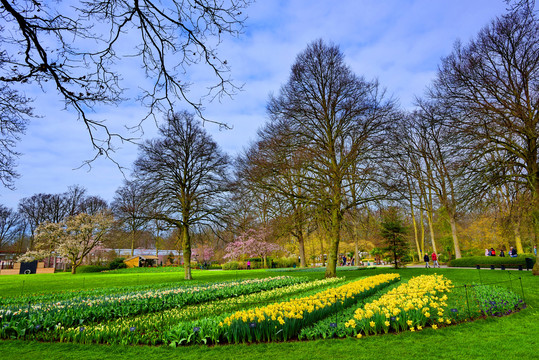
(282, 321)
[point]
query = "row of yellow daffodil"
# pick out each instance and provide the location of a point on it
(419, 302)
(150, 328)
(282, 321)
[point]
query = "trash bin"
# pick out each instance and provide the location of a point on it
(529, 264)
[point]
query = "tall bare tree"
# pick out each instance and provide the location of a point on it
(131, 208)
(10, 223)
(186, 176)
(491, 86)
(338, 119)
(274, 165)
(14, 115)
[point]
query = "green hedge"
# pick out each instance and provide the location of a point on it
(286, 262)
(117, 263)
(91, 269)
(497, 261)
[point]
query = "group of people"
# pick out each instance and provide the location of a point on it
(492, 252)
(427, 258)
(347, 261)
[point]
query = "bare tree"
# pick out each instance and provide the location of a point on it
(10, 223)
(339, 119)
(74, 197)
(14, 115)
(186, 175)
(491, 86)
(273, 165)
(444, 159)
(40, 208)
(93, 204)
(81, 49)
(130, 206)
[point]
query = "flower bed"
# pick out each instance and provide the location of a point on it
(17, 322)
(176, 324)
(496, 301)
(334, 326)
(282, 321)
(419, 302)
(78, 295)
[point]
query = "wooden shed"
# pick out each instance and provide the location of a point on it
(141, 261)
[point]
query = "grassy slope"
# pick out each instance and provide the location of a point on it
(511, 337)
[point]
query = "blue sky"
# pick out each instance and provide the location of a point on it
(400, 42)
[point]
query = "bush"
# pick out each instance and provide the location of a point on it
(497, 261)
(286, 262)
(473, 252)
(117, 263)
(91, 269)
(231, 265)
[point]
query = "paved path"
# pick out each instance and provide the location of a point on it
(409, 266)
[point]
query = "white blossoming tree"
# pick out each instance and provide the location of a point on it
(73, 238)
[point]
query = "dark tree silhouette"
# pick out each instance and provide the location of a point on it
(186, 176)
(80, 49)
(130, 207)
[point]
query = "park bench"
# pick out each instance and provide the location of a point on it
(529, 265)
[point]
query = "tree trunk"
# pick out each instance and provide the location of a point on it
(301, 245)
(132, 243)
(186, 245)
(535, 220)
(431, 229)
(422, 228)
(356, 253)
(518, 239)
(416, 234)
(334, 239)
(430, 219)
(455, 237)
(322, 254)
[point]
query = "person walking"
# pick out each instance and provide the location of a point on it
(435, 260)
(426, 259)
(248, 265)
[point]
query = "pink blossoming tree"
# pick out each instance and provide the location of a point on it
(203, 253)
(251, 244)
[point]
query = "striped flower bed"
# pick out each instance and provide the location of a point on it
(282, 321)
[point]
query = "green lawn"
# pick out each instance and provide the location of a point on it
(510, 337)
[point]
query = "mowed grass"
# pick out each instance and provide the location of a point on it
(509, 337)
(16, 285)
